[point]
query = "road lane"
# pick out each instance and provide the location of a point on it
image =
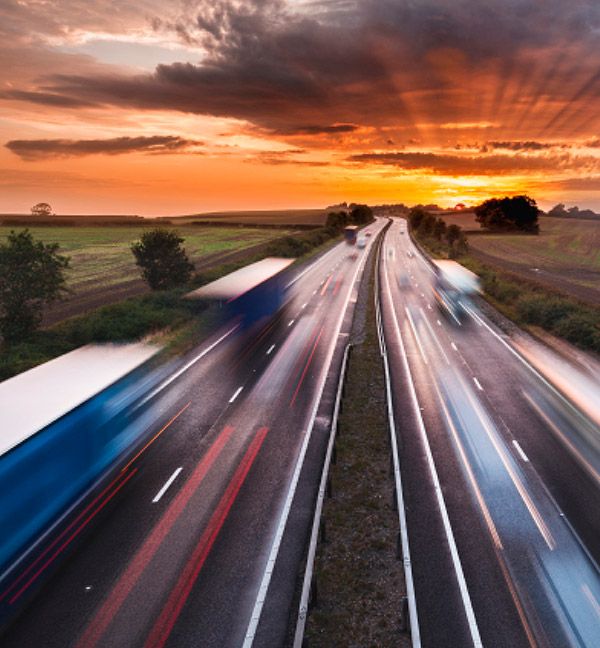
(467, 375)
(135, 556)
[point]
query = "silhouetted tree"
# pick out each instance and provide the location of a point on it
(31, 276)
(439, 229)
(337, 220)
(361, 215)
(41, 209)
(416, 216)
(163, 261)
(506, 214)
(453, 233)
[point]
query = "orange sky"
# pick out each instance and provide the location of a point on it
(178, 107)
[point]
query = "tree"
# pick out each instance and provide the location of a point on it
(416, 216)
(163, 261)
(361, 215)
(337, 220)
(439, 229)
(558, 210)
(506, 214)
(453, 233)
(41, 209)
(31, 277)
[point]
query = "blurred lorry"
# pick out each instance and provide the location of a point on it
(252, 294)
(350, 234)
(453, 286)
(63, 425)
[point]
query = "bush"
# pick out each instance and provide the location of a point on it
(580, 329)
(543, 311)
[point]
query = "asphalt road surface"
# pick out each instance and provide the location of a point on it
(502, 504)
(193, 541)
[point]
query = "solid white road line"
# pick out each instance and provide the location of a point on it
(189, 364)
(164, 489)
(237, 393)
(520, 450)
(460, 577)
(477, 383)
(274, 551)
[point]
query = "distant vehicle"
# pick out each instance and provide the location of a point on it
(350, 233)
(361, 242)
(402, 231)
(404, 281)
(368, 233)
(453, 287)
(409, 254)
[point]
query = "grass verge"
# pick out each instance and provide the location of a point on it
(359, 578)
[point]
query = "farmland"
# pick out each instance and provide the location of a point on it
(280, 217)
(565, 255)
(103, 268)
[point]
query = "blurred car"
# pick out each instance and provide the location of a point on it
(404, 281)
(409, 254)
(368, 233)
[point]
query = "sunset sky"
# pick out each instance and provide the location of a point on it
(172, 107)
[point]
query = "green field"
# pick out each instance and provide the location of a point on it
(566, 253)
(100, 256)
(264, 217)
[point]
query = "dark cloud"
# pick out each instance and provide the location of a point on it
(45, 99)
(474, 165)
(521, 146)
(51, 148)
(315, 129)
(286, 68)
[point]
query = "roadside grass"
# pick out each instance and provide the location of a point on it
(100, 256)
(359, 579)
(178, 324)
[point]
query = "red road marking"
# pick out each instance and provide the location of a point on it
(180, 593)
(59, 537)
(312, 353)
(326, 285)
(338, 283)
(67, 542)
(98, 626)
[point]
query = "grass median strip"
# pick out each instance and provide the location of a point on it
(359, 578)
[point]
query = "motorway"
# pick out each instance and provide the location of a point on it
(501, 498)
(198, 538)
(192, 540)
